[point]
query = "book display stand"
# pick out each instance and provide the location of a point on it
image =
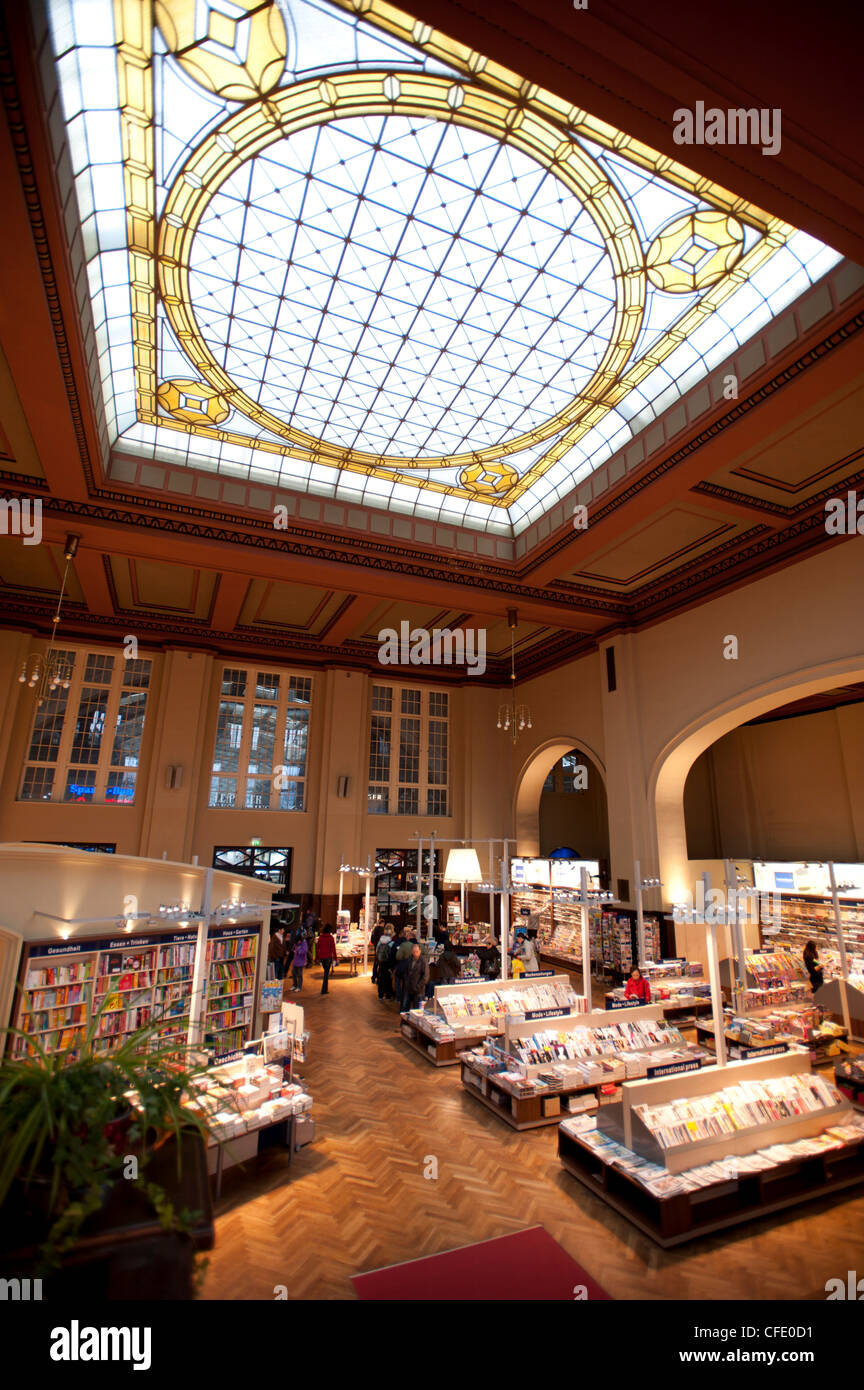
(530, 1094)
(792, 1158)
(464, 1015)
(680, 989)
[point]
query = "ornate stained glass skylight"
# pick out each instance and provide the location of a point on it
(329, 247)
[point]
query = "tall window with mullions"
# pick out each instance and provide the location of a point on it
(262, 736)
(408, 752)
(85, 742)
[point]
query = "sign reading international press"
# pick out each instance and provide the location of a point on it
(672, 1069)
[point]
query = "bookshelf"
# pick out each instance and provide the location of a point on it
(55, 1000)
(137, 980)
(761, 1168)
(232, 957)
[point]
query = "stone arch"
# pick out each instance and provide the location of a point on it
(529, 787)
(669, 771)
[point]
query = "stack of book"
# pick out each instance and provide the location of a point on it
(551, 1044)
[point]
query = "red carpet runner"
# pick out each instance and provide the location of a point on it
(528, 1265)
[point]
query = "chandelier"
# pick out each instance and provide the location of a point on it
(513, 716)
(51, 670)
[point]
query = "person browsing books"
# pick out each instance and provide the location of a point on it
(638, 987)
(812, 966)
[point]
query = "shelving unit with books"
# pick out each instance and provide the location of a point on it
(232, 960)
(172, 991)
(543, 1065)
(123, 993)
(55, 999)
(462, 1015)
(685, 1156)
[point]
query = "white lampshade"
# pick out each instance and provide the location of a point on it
(462, 866)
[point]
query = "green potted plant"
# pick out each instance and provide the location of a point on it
(77, 1124)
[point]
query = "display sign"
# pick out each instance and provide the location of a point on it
(536, 974)
(110, 943)
(623, 1003)
(744, 1053)
(567, 873)
(554, 873)
(545, 1013)
(810, 880)
(672, 1069)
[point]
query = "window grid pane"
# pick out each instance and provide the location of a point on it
(223, 791)
(129, 729)
(436, 801)
(80, 784)
(382, 698)
(38, 784)
(379, 749)
(229, 732)
(87, 739)
(410, 701)
(263, 739)
(136, 674)
(437, 753)
(300, 690)
(121, 788)
(234, 683)
(409, 751)
(438, 703)
(99, 668)
(48, 728)
(378, 803)
(408, 801)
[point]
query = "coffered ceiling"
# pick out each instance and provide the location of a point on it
(681, 363)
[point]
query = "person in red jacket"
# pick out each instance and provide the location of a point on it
(326, 952)
(638, 987)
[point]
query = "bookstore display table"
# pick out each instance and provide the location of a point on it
(519, 1111)
(818, 1048)
(684, 1156)
(351, 959)
(684, 1216)
(439, 1051)
(674, 1009)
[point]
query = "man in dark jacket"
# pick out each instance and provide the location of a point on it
(415, 977)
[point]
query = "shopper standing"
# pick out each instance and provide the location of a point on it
(326, 953)
(277, 949)
(298, 961)
(377, 933)
(416, 974)
(382, 953)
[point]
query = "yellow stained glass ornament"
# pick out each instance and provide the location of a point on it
(694, 251)
(235, 48)
(193, 402)
(491, 479)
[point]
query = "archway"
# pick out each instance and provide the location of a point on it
(670, 769)
(530, 782)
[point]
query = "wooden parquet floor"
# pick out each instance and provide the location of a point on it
(357, 1199)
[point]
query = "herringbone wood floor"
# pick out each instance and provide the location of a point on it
(358, 1200)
